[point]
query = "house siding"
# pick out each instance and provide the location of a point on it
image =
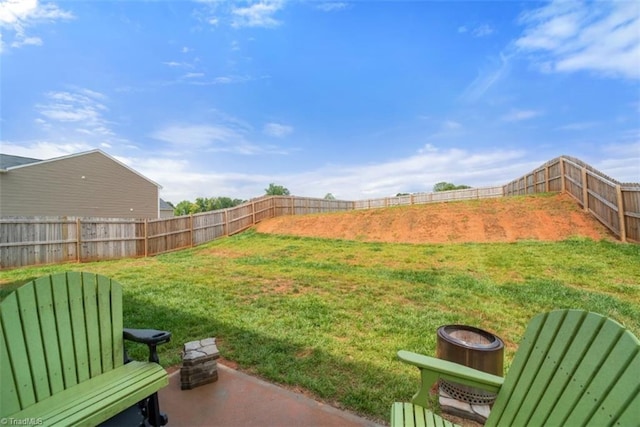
(57, 188)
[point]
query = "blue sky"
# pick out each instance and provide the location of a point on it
(360, 99)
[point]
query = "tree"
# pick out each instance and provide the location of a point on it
(276, 190)
(205, 204)
(329, 196)
(185, 207)
(447, 186)
(227, 202)
(402, 194)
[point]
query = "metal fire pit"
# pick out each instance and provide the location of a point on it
(471, 347)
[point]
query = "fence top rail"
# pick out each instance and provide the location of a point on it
(35, 221)
(579, 163)
(67, 220)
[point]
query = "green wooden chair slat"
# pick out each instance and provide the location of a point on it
(9, 400)
(33, 341)
(61, 355)
(65, 331)
(571, 368)
(117, 325)
(410, 415)
(16, 350)
(78, 326)
(91, 322)
(49, 334)
(104, 323)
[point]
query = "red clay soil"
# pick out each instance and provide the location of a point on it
(547, 218)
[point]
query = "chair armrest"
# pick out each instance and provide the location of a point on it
(431, 369)
(147, 336)
(150, 337)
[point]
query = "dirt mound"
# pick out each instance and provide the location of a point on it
(549, 217)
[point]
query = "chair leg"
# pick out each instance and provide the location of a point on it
(153, 415)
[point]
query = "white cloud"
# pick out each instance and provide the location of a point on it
(176, 64)
(482, 31)
(416, 173)
(486, 79)
(419, 172)
(277, 130)
(193, 75)
(332, 6)
(43, 150)
(228, 135)
(17, 16)
(578, 126)
(451, 125)
(198, 136)
(27, 41)
(74, 107)
(600, 37)
(65, 115)
(520, 115)
(259, 14)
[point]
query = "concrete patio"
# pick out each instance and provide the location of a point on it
(238, 399)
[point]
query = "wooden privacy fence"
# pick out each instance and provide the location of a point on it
(31, 241)
(615, 204)
(422, 198)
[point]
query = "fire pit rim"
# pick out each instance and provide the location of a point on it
(495, 341)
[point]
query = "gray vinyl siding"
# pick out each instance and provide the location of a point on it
(57, 188)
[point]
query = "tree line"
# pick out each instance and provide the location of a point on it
(206, 204)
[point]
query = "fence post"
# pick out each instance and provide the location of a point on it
(146, 237)
(563, 187)
(621, 217)
(78, 239)
(225, 225)
(253, 212)
(585, 190)
(546, 178)
(191, 229)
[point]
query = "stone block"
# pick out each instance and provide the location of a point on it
(199, 364)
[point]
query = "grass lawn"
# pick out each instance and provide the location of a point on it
(328, 316)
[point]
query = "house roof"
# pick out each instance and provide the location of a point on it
(164, 206)
(7, 161)
(14, 162)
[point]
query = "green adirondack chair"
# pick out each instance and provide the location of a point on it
(62, 357)
(572, 368)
